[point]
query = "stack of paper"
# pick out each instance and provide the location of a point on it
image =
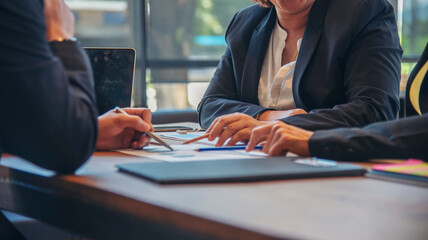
(184, 153)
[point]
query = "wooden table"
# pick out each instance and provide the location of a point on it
(100, 202)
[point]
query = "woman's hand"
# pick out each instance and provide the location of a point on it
(281, 138)
(59, 20)
(117, 130)
(236, 126)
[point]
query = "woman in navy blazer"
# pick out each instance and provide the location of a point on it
(347, 72)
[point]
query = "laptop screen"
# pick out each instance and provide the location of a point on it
(113, 70)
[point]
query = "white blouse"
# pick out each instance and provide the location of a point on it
(275, 80)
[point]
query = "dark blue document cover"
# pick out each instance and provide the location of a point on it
(242, 170)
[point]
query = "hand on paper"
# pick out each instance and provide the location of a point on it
(280, 138)
(236, 126)
(275, 115)
(117, 130)
(59, 20)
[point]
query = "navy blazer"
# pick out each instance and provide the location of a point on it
(47, 98)
(403, 138)
(347, 72)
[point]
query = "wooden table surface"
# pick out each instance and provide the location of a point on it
(101, 202)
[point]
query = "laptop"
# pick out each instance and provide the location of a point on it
(113, 70)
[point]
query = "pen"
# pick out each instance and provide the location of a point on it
(179, 131)
(196, 139)
(151, 134)
(226, 148)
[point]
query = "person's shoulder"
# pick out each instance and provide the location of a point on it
(22, 5)
(22, 25)
(247, 19)
(358, 4)
(25, 14)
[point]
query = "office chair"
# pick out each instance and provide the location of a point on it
(416, 101)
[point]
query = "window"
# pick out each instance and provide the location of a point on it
(413, 26)
(185, 42)
(102, 23)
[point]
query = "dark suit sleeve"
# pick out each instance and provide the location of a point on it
(220, 97)
(371, 73)
(404, 138)
(46, 92)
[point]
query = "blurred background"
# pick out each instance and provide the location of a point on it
(179, 42)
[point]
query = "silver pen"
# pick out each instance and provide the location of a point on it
(151, 134)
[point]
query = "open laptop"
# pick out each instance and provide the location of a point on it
(113, 70)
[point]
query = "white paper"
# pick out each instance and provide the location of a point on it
(184, 153)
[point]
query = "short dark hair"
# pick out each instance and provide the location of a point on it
(263, 3)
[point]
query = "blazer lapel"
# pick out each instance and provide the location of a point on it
(255, 58)
(310, 40)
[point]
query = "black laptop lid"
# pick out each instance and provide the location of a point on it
(113, 70)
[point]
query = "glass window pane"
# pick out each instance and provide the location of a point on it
(102, 23)
(414, 36)
(189, 29)
(178, 95)
(415, 27)
(181, 31)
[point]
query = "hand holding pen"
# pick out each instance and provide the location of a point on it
(124, 130)
(149, 132)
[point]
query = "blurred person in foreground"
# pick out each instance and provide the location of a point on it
(47, 97)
